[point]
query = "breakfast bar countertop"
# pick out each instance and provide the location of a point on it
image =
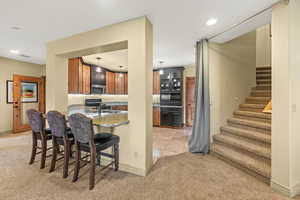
(107, 119)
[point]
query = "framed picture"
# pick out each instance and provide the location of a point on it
(9, 92)
(29, 92)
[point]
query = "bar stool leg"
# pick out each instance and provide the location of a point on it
(54, 154)
(66, 159)
(77, 164)
(116, 156)
(92, 169)
(34, 148)
(44, 152)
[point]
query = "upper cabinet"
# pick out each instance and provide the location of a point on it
(156, 82)
(110, 82)
(119, 83)
(126, 83)
(86, 79)
(78, 77)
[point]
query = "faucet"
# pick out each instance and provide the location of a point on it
(100, 109)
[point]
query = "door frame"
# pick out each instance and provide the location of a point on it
(17, 113)
(186, 99)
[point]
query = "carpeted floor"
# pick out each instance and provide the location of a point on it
(184, 176)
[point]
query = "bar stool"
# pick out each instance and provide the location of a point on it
(39, 133)
(61, 136)
(87, 141)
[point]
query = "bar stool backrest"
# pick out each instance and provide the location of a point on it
(82, 128)
(36, 120)
(57, 123)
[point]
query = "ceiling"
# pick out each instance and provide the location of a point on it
(110, 60)
(177, 24)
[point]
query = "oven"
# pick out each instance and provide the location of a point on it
(171, 99)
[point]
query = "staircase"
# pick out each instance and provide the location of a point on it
(245, 141)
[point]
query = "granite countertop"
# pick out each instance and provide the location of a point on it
(107, 119)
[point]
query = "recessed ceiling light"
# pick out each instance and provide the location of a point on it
(211, 21)
(14, 51)
(25, 56)
(16, 28)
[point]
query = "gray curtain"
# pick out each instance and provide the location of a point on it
(200, 139)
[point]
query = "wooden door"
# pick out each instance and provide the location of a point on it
(86, 79)
(156, 116)
(190, 100)
(156, 82)
(119, 83)
(28, 93)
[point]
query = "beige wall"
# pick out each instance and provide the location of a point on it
(232, 74)
(285, 97)
(263, 46)
(8, 68)
(136, 35)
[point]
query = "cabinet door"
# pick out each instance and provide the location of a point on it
(119, 83)
(73, 76)
(156, 82)
(156, 117)
(110, 82)
(86, 79)
(126, 83)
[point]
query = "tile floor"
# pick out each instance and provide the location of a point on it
(169, 142)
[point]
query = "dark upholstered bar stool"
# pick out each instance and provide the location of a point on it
(61, 136)
(87, 141)
(37, 124)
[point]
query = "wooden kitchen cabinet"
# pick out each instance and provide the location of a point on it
(125, 108)
(156, 116)
(119, 83)
(79, 77)
(156, 82)
(110, 82)
(86, 79)
(126, 83)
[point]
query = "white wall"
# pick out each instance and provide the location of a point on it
(8, 68)
(263, 46)
(285, 97)
(232, 74)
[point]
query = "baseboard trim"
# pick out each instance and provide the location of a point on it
(295, 190)
(126, 168)
(289, 192)
(280, 188)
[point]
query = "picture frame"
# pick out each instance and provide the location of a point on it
(9, 92)
(29, 91)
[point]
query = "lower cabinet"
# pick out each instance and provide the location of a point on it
(120, 108)
(156, 116)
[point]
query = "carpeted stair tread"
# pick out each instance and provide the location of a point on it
(263, 76)
(264, 81)
(261, 93)
(258, 100)
(252, 107)
(255, 165)
(264, 72)
(261, 137)
(250, 123)
(263, 68)
(244, 144)
(253, 114)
